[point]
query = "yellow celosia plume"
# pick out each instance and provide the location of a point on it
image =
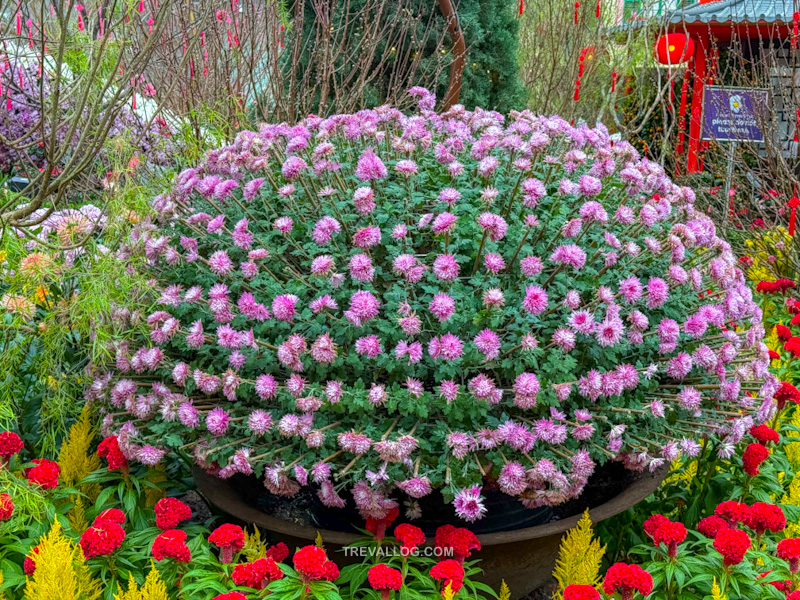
(578, 557)
(153, 588)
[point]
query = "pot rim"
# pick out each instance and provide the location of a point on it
(220, 493)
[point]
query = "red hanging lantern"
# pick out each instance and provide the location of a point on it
(674, 49)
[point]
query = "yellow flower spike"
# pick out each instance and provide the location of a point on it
(578, 557)
(448, 593)
(318, 541)
(505, 593)
(716, 593)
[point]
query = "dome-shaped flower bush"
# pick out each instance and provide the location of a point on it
(377, 301)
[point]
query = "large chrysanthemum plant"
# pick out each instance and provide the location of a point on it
(379, 305)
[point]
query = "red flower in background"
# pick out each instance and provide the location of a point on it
(171, 544)
(313, 565)
(733, 544)
(109, 449)
(279, 552)
(783, 332)
(581, 592)
(44, 474)
(765, 434)
(450, 572)
(774, 355)
(710, 526)
(6, 507)
(257, 574)
(753, 456)
(230, 596)
(786, 393)
(114, 515)
(377, 527)
(779, 286)
(10, 444)
(230, 539)
(733, 512)
(170, 512)
(789, 550)
(627, 579)
(459, 541)
(652, 524)
(384, 579)
(793, 347)
(795, 320)
(409, 536)
(29, 565)
(793, 596)
(670, 534)
(762, 516)
(102, 539)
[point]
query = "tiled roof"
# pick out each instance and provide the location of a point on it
(738, 11)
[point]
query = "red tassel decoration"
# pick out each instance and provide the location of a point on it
(797, 127)
(793, 204)
(100, 18)
(795, 19)
(580, 65)
(597, 10)
(613, 82)
(141, 5)
(19, 24)
(577, 6)
(577, 90)
(521, 6)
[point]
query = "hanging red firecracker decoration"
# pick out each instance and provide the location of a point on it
(674, 49)
(521, 6)
(597, 10)
(19, 23)
(795, 19)
(577, 90)
(141, 5)
(613, 82)
(793, 204)
(797, 127)
(577, 7)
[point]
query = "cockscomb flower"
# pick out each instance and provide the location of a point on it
(229, 538)
(170, 512)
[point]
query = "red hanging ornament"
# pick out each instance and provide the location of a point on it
(521, 6)
(577, 90)
(141, 5)
(19, 23)
(674, 49)
(797, 127)
(580, 66)
(793, 204)
(577, 6)
(597, 10)
(795, 19)
(613, 82)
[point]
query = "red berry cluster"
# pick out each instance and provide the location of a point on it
(627, 579)
(44, 474)
(257, 574)
(313, 565)
(170, 512)
(109, 449)
(171, 544)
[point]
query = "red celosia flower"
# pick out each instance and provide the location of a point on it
(279, 552)
(795, 320)
(670, 534)
(774, 287)
(171, 544)
(170, 512)
(786, 393)
(230, 596)
(313, 565)
(762, 516)
(733, 512)
(109, 449)
(765, 287)
(114, 515)
(450, 572)
(384, 579)
(774, 355)
(753, 456)
(10, 444)
(733, 544)
(409, 536)
(456, 542)
(783, 285)
(230, 539)
(765, 434)
(627, 579)
(44, 474)
(793, 596)
(29, 565)
(710, 526)
(581, 592)
(793, 346)
(6, 507)
(652, 524)
(789, 550)
(784, 333)
(102, 539)
(257, 574)
(377, 527)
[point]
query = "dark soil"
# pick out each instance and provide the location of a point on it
(504, 513)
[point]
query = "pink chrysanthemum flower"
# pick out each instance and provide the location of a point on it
(469, 504)
(322, 266)
(535, 300)
(442, 307)
(493, 298)
(493, 262)
(447, 347)
(449, 390)
(564, 338)
(284, 307)
(370, 167)
(445, 267)
(449, 196)
(366, 237)
(364, 200)
(488, 343)
(283, 224)
(217, 422)
(363, 307)
(361, 268)
(406, 168)
(494, 225)
(444, 223)
(369, 345)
